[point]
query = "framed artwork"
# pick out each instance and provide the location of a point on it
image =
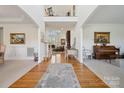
(102, 37)
(17, 38)
(62, 41)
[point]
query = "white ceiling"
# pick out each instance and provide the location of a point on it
(60, 25)
(107, 14)
(13, 14)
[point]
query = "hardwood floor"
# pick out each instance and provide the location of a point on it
(85, 76)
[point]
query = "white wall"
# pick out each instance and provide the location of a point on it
(1, 35)
(82, 12)
(60, 19)
(61, 10)
(15, 51)
(58, 38)
(63, 34)
(34, 11)
(116, 34)
(42, 46)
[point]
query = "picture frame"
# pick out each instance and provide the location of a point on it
(102, 37)
(62, 41)
(17, 38)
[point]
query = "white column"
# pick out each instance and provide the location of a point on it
(81, 45)
(82, 12)
(79, 41)
(39, 45)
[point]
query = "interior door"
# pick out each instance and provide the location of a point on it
(68, 39)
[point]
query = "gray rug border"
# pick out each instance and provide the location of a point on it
(47, 71)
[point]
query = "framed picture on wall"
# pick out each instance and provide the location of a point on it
(62, 41)
(102, 37)
(17, 38)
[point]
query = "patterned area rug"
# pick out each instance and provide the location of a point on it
(59, 76)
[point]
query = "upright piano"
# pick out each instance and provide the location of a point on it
(105, 52)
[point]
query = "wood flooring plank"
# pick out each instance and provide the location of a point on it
(85, 76)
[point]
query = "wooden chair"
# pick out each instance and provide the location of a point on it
(2, 53)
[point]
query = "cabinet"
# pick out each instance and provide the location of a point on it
(16, 52)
